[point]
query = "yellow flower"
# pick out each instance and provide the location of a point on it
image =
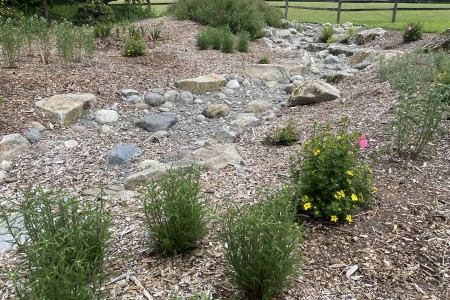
(375, 189)
(306, 206)
(369, 170)
(354, 197)
(305, 198)
(349, 218)
(340, 137)
(349, 181)
(334, 218)
(339, 195)
(349, 173)
(316, 152)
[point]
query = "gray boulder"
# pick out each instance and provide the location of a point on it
(170, 96)
(121, 154)
(154, 123)
(268, 72)
(313, 92)
(33, 135)
(106, 116)
(13, 145)
(258, 106)
(368, 35)
(216, 111)
(154, 99)
(214, 157)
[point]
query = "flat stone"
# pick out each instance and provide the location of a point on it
(154, 99)
(33, 135)
(43, 148)
(162, 121)
(335, 78)
(362, 65)
(66, 109)
(258, 106)
(216, 111)
(13, 145)
(121, 154)
(268, 72)
(214, 157)
(246, 119)
(202, 84)
(134, 99)
(78, 129)
(152, 172)
(106, 116)
(331, 59)
(129, 92)
(313, 92)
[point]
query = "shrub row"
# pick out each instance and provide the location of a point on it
(222, 39)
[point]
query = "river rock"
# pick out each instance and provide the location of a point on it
(313, 92)
(121, 154)
(216, 111)
(162, 121)
(202, 84)
(154, 99)
(268, 72)
(13, 145)
(33, 135)
(106, 116)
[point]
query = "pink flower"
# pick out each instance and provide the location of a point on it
(150, 37)
(409, 28)
(362, 140)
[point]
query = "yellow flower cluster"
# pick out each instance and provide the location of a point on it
(316, 152)
(339, 194)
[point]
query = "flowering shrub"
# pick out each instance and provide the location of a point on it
(133, 47)
(330, 179)
(413, 32)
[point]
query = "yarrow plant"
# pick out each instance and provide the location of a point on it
(413, 32)
(331, 180)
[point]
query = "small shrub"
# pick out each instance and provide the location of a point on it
(28, 27)
(243, 40)
(261, 245)
(44, 33)
(413, 32)
(174, 215)
(331, 180)
(74, 43)
(11, 40)
(64, 241)
(93, 12)
(103, 30)
(327, 35)
(203, 39)
(284, 136)
(227, 39)
(131, 12)
(133, 47)
(264, 60)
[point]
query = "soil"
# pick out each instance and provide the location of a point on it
(400, 245)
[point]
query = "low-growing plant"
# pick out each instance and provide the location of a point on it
(413, 32)
(243, 41)
(264, 60)
(174, 215)
(133, 47)
(64, 241)
(11, 40)
(285, 136)
(326, 35)
(330, 178)
(103, 30)
(262, 245)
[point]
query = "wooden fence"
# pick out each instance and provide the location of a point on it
(339, 8)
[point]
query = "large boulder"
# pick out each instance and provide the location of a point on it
(12, 145)
(313, 92)
(372, 55)
(268, 72)
(368, 35)
(153, 171)
(214, 157)
(154, 123)
(442, 41)
(66, 109)
(202, 84)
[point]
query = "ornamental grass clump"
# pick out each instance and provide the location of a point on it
(326, 35)
(261, 243)
(11, 41)
(242, 42)
(413, 32)
(284, 136)
(330, 179)
(174, 215)
(64, 242)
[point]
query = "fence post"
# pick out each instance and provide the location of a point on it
(339, 11)
(286, 6)
(394, 11)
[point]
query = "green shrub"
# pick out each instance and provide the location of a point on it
(413, 32)
(203, 39)
(64, 241)
(261, 245)
(264, 60)
(74, 43)
(331, 180)
(227, 38)
(326, 35)
(11, 40)
(283, 136)
(174, 215)
(242, 43)
(93, 12)
(238, 15)
(103, 30)
(132, 13)
(11, 13)
(28, 27)
(133, 47)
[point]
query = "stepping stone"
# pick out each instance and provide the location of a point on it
(202, 84)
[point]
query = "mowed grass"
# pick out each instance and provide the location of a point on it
(433, 20)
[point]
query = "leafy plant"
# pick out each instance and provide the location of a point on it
(174, 214)
(64, 241)
(261, 245)
(133, 47)
(413, 32)
(93, 12)
(326, 35)
(11, 40)
(283, 136)
(203, 39)
(330, 179)
(264, 60)
(242, 43)
(227, 39)
(156, 32)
